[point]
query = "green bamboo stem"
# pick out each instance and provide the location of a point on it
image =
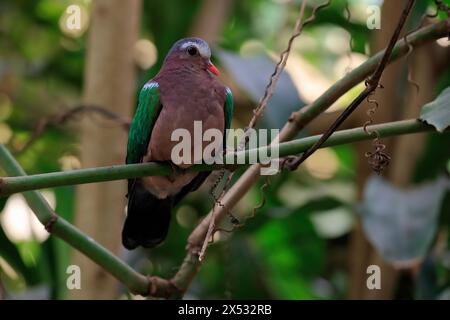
(135, 282)
(56, 179)
(10, 185)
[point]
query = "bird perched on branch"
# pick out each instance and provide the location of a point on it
(185, 90)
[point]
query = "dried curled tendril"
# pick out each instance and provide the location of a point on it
(377, 159)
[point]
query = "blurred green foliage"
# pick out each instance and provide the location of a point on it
(283, 252)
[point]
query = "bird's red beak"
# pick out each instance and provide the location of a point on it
(213, 68)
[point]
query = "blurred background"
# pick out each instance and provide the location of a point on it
(322, 225)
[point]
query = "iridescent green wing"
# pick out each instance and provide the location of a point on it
(144, 119)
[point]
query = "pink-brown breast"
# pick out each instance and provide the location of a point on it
(186, 96)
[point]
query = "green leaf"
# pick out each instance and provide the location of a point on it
(437, 112)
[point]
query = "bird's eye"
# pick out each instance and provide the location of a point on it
(192, 50)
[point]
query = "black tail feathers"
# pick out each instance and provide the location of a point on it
(148, 218)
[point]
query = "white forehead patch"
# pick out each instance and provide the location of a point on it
(202, 48)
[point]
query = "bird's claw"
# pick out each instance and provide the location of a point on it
(176, 171)
(291, 163)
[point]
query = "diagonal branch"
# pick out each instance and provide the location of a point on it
(371, 85)
(257, 112)
(56, 225)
